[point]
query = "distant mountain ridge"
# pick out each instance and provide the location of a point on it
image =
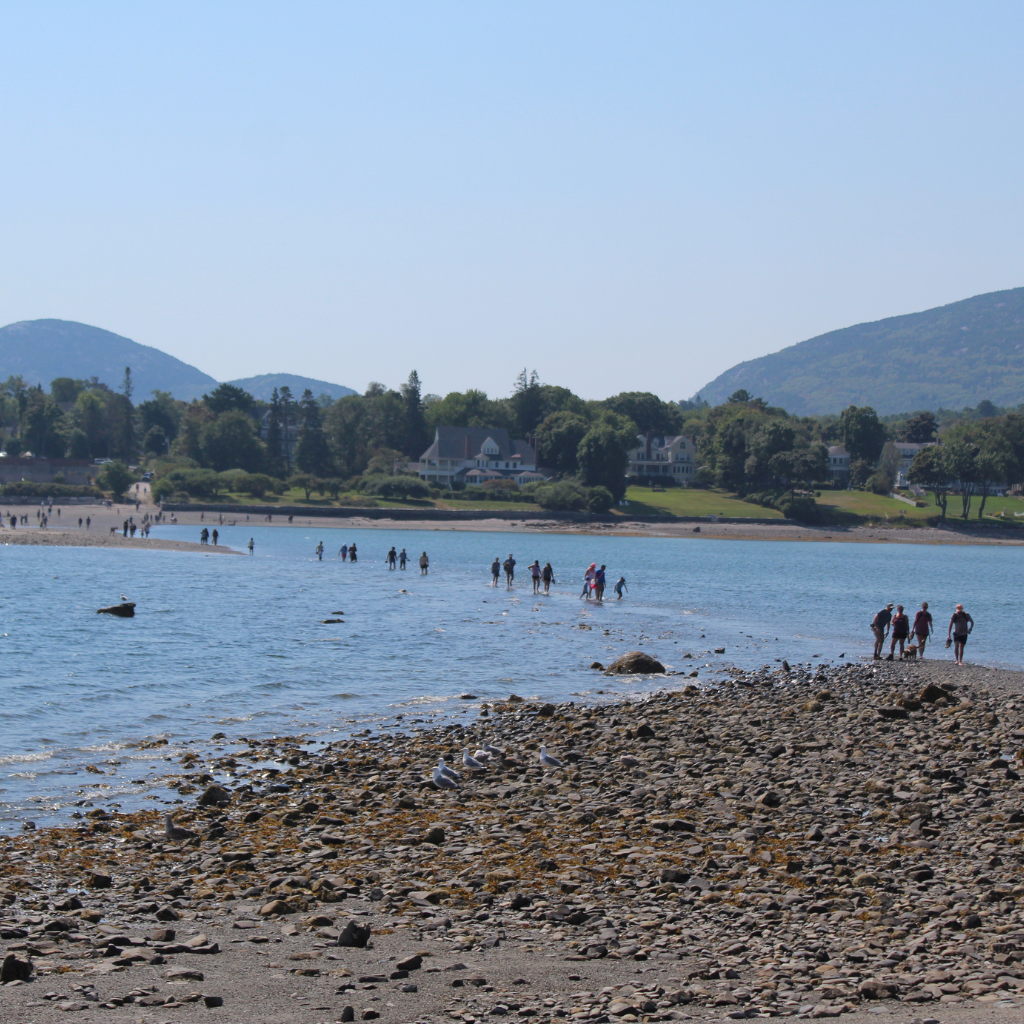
(41, 350)
(262, 387)
(950, 357)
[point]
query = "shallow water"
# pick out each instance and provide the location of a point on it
(237, 644)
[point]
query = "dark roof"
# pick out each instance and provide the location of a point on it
(465, 443)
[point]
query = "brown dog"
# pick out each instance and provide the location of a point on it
(910, 654)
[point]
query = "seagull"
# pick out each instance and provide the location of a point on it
(482, 755)
(448, 773)
(176, 832)
(443, 781)
(547, 760)
(469, 762)
(493, 751)
(124, 597)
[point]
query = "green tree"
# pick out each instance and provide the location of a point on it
(277, 457)
(563, 496)
(527, 404)
(600, 499)
(228, 397)
(188, 444)
(89, 416)
(920, 428)
(115, 478)
(42, 425)
(159, 411)
(558, 441)
(417, 435)
(305, 482)
(155, 441)
(603, 453)
(648, 412)
(995, 464)
(931, 470)
(862, 433)
(401, 486)
(230, 442)
(78, 444)
(65, 389)
(312, 452)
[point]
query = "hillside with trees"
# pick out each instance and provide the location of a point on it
(952, 356)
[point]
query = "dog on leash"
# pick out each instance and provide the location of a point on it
(910, 654)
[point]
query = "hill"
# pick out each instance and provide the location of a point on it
(40, 350)
(262, 386)
(952, 357)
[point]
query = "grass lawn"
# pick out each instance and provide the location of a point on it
(691, 501)
(874, 506)
(993, 507)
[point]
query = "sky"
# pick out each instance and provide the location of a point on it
(622, 196)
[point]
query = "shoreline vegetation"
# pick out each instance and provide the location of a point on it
(791, 841)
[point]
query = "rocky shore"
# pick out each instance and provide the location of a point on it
(798, 841)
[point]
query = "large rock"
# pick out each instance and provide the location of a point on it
(354, 934)
(214, 796)
(14, 969)
(634, 663)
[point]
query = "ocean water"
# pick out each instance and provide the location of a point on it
(233, 644)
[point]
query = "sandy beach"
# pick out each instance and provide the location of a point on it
(792, 842)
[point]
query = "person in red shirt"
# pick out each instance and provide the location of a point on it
(922, 628)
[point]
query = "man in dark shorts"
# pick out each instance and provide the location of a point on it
(495, 571)
(547, 574)
(509, 566)
(961, 625)
(880, 627)
(900, 632)
(392, 559)
(922, 628)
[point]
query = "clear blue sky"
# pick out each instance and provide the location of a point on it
(628, 195)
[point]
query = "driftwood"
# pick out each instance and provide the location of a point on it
(124, 611)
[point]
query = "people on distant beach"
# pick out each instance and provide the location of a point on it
(251, 545)
(204, 535)
(599, 583)
(424, 564)
(535, 571)
(392, 558)
(509, 565)
(620, 586)
(402, 558)
(495, 570)
(215, 536)
(961, 625)
(922, 628)
(900, 632)
(343, 552)
(880, 627)
(352, 552)
(320, 551)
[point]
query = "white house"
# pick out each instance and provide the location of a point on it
(907, 450)
(838, 463)
(475, 455)
(674, 457)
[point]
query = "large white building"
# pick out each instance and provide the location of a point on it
(674, 457)
(474, 455)
(838, 463)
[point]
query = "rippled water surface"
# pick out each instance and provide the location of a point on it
(237, 644)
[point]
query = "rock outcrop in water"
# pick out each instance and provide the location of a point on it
(125, 610)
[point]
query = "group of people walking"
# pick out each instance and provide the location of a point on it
(899, 630)
(593, 579)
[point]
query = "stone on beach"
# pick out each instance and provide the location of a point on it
(634, 663)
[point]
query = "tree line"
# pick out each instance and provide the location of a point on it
(361, 441)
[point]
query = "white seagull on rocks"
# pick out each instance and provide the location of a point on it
(443, 777)
(469, 762)
(492, 751)
(547, 760)
(448, 773)
(176, 832)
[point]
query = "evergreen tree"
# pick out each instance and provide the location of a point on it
(527, 403)
(275, 453)
(417, 436)
(312, 453)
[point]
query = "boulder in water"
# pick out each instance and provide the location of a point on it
(125, 610)
(634, 663)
